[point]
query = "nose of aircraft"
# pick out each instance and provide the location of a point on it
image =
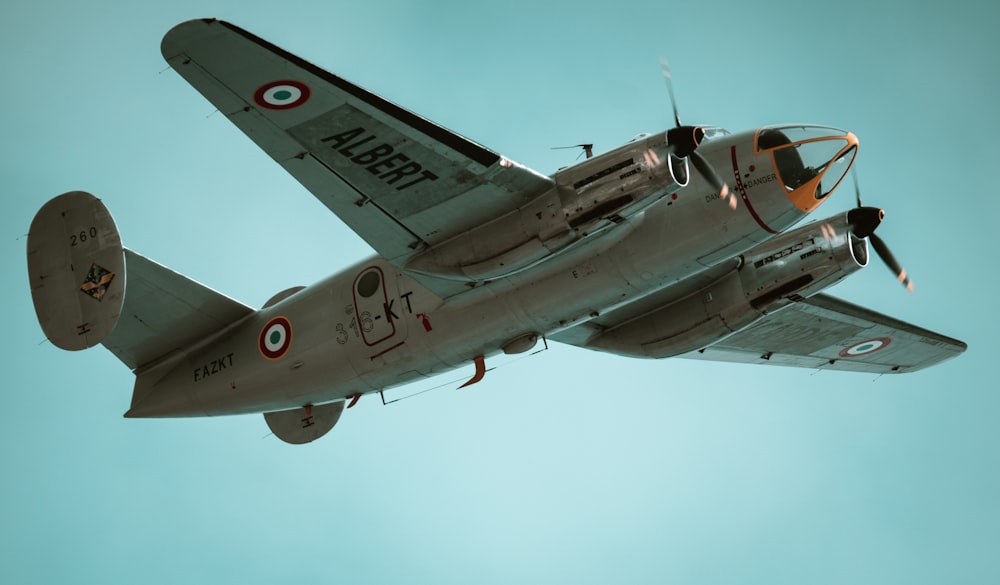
(809, 161)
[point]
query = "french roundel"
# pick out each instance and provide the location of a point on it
(275, 338)
(282, 95)
(865, 347)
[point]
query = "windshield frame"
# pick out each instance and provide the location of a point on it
(806, 192)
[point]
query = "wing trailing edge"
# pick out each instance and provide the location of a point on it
(824, 332)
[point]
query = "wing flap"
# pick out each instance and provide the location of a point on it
(165, 311)
(825, 332)
(402, 182)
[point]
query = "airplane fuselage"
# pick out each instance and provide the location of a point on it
(372, 326)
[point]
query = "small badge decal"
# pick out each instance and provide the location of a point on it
(98, 281)
(282, 95)
(865, 347)
(275, 338)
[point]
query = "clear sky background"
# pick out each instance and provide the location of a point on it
(566, 467)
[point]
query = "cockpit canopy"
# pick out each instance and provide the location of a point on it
(809, 161)
(712, 132)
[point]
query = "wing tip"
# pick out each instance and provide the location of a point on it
(171, 44)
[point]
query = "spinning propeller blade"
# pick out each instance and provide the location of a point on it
(684, 141)
(883, 252)
(709, 173)
(665, 65)
(857, 189)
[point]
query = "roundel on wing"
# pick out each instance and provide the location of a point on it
(275, 338)
(282, 95)
(865, 347)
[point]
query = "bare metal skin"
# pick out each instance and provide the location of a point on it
(680, 243)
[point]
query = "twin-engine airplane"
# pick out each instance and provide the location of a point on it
(628, 252)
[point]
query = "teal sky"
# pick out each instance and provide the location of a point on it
(565, 467)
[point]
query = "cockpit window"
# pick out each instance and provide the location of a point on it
(816, 156)
(712, 132)
(773, 136)
(836, 168)
(800, 163)
(769, 138)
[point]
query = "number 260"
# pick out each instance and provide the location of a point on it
(83, 236)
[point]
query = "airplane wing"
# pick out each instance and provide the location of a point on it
(402, 182)
(824, 332)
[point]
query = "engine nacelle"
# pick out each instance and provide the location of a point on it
(796, 264)
(586, 199)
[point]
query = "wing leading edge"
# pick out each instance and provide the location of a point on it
(402, 182)
(824, 332)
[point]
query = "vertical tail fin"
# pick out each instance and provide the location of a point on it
(76, 268)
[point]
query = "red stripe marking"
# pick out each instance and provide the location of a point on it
(743, 194)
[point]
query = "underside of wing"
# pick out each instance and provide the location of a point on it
(824, 332)
(402, 182)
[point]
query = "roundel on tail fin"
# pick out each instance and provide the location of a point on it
(76, 269)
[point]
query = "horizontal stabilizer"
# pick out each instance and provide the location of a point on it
(165, 311)
(76, 270)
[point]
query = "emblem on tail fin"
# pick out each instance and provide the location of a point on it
(98, 281)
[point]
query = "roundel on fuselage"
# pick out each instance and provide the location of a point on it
(275, 338)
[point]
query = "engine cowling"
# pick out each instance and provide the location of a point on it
(587, 199)
(796, 264)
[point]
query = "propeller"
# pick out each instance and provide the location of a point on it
(684, 140)
(863, 221)
(665, 65)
